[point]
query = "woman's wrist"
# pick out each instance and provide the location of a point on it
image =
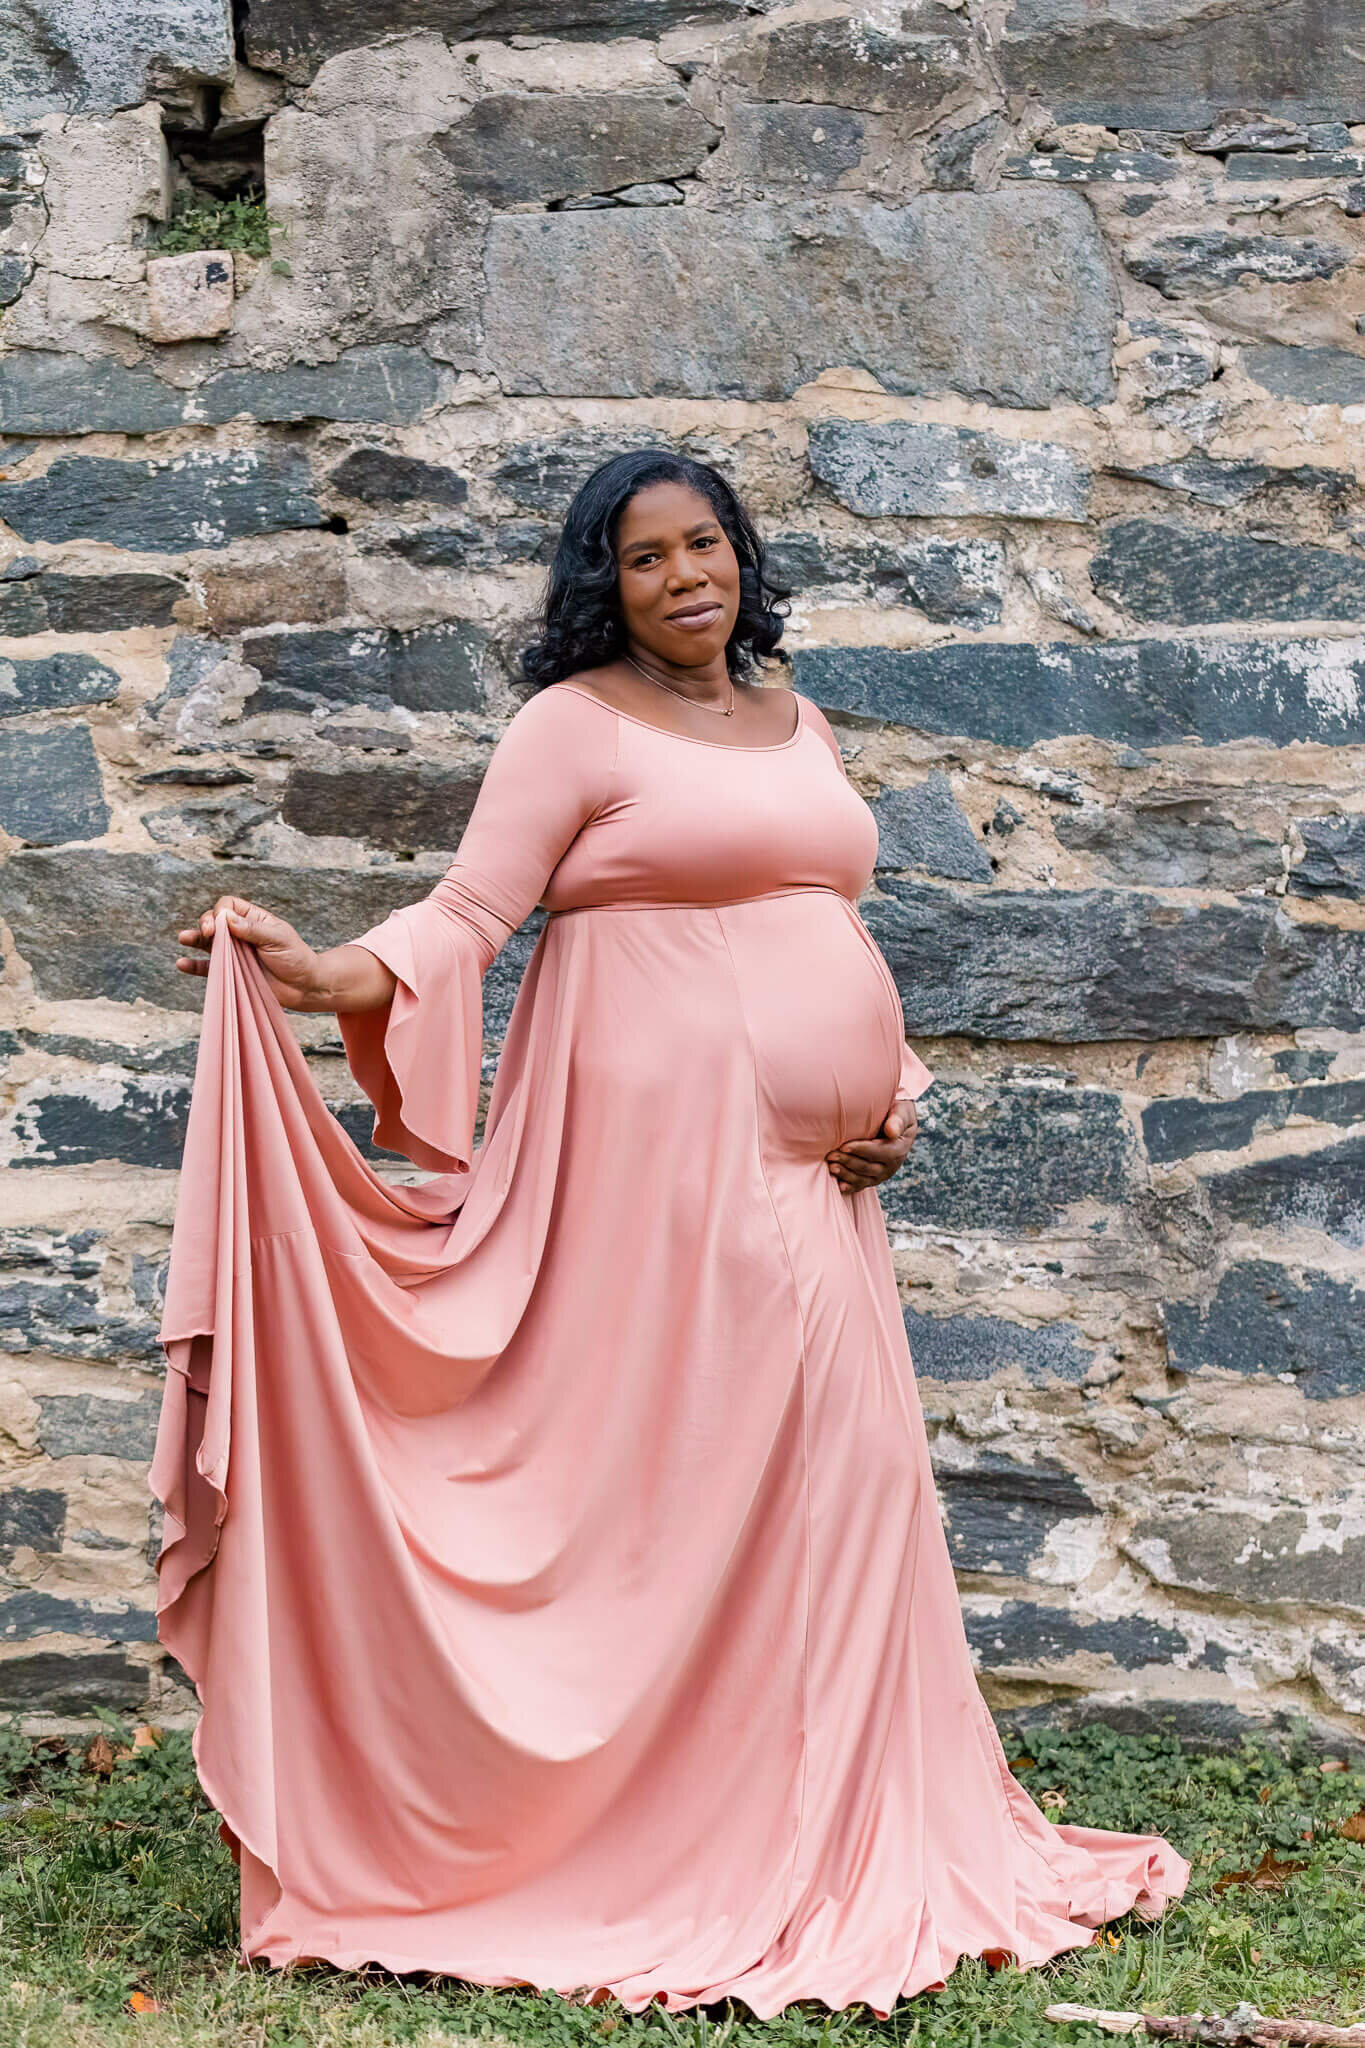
(346, 978)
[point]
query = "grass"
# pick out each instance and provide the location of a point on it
(115, 1889)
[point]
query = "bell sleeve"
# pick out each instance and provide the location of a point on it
(419, 1058)
(915, 1077)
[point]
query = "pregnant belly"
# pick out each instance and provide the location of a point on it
(781, 1005)
(823, 1017)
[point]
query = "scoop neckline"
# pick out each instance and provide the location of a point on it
(689, 739)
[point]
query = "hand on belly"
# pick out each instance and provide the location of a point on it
(866, 1162)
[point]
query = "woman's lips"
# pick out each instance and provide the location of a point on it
(695, 618)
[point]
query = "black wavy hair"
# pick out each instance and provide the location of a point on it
(580, 622)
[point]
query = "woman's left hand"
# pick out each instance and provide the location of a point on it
(866, 1162)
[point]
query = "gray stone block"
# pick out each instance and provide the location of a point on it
(202, 499)
(1179, 66)
(378, 476)
(1295, 1554)
(57, 58)
(95, 1426)
(51, 1682)
(926, 828)
(46, 392)
(1322, 1192)
(912, 61)
(999, 1513)
(226, 825)
(1020, 1154)
(920, 469)
(1005, 296)
(138, 1120)
(544, 475)
(54, 682)
(31, 1518)
(810, 146)
(1180, 1126)
(1025, 1632)
(1162, 573)
(295, 36)
(28, 1614)
(1265, 1320)
(468, 546)
(1334, 858)
(1198, 261)
(953, 582)
(1170, 840)
(1106, 166)
(969, 1347)
(519, 146)
(71, 1319)
(49, 601)
(50, 787)
(1253, 166)
(431, 668)
(412, 807)
(1309, 376)
(1102, 963)
(92, 923)
(1140, 692)
(1221, 480)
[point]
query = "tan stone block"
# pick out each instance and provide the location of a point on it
(190, 295)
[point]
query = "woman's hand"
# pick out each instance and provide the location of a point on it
(866, 1162)
(290, 965)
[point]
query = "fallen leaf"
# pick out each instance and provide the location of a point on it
(1024, 1763)
(995, 1958)
(100, 1756)
(142, 2001)
(147, 1735)
(1268, 1876)
(1255, 1955)
(1333, 1763)
(1053, 1801)
(1266, 1792)
(1353, 1827)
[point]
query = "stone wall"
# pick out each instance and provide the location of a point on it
(1034, 337)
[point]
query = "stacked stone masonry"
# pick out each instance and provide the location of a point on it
(1035, 336)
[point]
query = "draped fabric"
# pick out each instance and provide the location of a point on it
(553, 1543)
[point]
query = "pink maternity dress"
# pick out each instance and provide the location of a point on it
(553, 1544)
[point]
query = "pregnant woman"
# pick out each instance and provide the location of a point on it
(553, 1544)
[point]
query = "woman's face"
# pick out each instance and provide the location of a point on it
(677, 575)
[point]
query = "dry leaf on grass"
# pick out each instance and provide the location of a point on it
(99, 1756)
(1268, 1876)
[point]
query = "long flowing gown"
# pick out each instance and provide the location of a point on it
(553, 1544)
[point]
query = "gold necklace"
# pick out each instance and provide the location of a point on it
(728, 712)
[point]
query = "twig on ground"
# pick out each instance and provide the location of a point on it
(1243, 2027)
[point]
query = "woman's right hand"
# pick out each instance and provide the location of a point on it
(289, 963)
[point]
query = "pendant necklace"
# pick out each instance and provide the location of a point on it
(728, 712)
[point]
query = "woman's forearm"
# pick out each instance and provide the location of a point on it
(349, 978)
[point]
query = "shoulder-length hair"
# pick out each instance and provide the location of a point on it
(580, 622)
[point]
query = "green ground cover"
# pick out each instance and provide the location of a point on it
(118, 1916)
